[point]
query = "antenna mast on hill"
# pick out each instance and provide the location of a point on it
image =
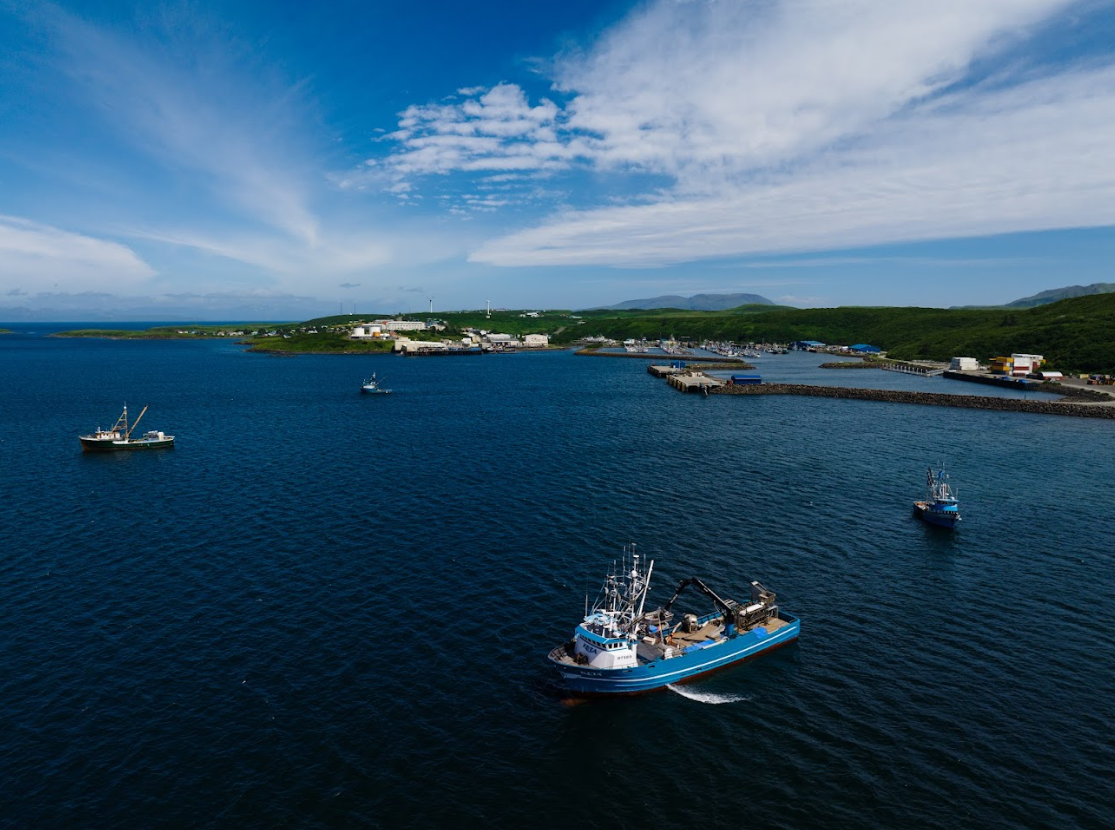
(431, 299)
(489, 302)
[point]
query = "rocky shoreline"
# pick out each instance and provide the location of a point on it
(1079, 410)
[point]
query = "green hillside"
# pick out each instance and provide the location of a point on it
(1076, 335)
(1055, 294)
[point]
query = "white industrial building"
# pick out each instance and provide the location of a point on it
(379, 328)
(535, 341)
(401, 325)
(1024, 364)
(405, 346)
(501, 341)
(964, 364)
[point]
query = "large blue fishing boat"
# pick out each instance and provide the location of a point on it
(619, 649)
(940, 506)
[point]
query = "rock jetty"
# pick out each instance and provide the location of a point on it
(1079, 410)
(852, 364)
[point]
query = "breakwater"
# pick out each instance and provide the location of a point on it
(734, 363)
(1023, 383)
(852, 364)
(925, 398)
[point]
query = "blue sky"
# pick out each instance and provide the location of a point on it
(212, 160)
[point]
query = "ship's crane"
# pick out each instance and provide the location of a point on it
(720, 603)
(762, 603)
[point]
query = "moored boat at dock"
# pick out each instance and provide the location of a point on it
(940, 506)
(619, 649)
(119, 437)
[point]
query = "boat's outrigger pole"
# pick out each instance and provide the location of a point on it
(128, 432)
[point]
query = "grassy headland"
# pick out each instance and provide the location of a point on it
(185, 331)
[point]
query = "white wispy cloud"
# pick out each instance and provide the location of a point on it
(702, 90)
(234, 143)
(34, 256)
(789, 126)
(1029, 157)
(196, 101)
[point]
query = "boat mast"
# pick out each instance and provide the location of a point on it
(646, 588)
(123, 419)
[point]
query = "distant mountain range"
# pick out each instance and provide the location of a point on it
(698, 302)
(1055, 294)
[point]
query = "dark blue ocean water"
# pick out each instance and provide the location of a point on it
(326, 610)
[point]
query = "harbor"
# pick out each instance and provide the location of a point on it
(265, 609)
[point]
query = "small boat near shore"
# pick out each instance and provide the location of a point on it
(119, 438)
(940, 506)
(371, 387)
(620, 649)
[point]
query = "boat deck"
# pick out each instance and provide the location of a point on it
(678, 641)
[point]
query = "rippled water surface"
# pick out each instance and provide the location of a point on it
(328, 610)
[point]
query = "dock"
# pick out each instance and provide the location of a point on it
(664, 371)
(693, 382)
(924, 369)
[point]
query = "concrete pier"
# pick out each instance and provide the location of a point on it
(693, 382)
(927, 370)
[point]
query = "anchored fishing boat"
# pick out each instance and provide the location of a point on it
(940, 506)
(619, 649)
(371, 387)
(120, 437)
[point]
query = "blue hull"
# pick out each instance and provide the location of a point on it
(655, 675)
(940, 519)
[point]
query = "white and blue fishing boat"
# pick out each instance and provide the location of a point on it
(940, 506)
(619, 649)
(371, 387)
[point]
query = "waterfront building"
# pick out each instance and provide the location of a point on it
(807, 345)
(964, 364)
(1024, 364)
